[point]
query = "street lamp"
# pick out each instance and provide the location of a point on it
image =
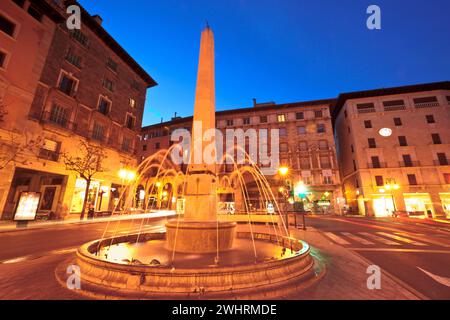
(283, 171)
(126, 175)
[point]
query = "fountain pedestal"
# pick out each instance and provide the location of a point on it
(200, 236)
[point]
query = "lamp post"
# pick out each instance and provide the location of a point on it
(126, 175)
(283, 172)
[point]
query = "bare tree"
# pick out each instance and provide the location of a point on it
(86, 163)
(17, 145)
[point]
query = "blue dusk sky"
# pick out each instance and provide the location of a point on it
(278, 50)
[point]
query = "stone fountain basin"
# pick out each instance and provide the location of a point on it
(261, 279)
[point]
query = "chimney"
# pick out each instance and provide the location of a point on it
(97, 19)
(254, 102)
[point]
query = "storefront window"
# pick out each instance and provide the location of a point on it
(418, 204)
(79, 194)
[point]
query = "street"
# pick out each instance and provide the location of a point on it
(416, 255)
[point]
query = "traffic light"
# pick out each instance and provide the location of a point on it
(288, 184)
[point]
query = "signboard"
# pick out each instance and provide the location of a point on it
(27, 207)
(327, 173)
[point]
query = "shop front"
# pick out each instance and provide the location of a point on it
(99, 196)
(418, 204)
(445, 200)
(383, 205)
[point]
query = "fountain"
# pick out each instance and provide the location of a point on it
(201, 254)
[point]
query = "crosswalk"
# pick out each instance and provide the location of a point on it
(378, 238)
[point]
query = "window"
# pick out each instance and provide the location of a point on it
(323, 145)
(49, 150)
(67, 84)
(104, 106)
(398, 122)
(157, 145)
(430, 118)
(442, 159)
(301, 130)
(130, 121)
(284, 147)
(263, 119)
(144, 147)
(321, 128)
(20, 3)
(402, 141)
(132, 103)
(2, 59)
(58, 115)
(282, 132)
(352, 148)
(7, 26)
(281, 118)
(80, 37)
(230, 122)
(447, 178)
(246, 120)
(327, 180)
(394, 105)
(379, 181)
(436, 138)
(448, 99)
(98, 132)
(375, 162)
(35, 13)
(111, 64)
(318, 114)
(108, 84)
(325, 162)
(303, 146)
(354, 165)
(365, 107)
(426, 102)
(372, 143)
(412, 180)
(407, 160)
(367, 124)
(299, 116)
(126, 144)
(345, 113)
(74, 59)
(349, 130)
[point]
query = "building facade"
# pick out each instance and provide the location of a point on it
(306, 147)
(394, 148)
(60, 88)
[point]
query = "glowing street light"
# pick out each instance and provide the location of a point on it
(283, 170)
(128, 175)
(300, 189)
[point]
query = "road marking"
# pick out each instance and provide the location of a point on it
(358, 239)
(336, 239)
(402, 239)
(40, 255)
(401, 250)
(442, 280)
(379, 239)
(417, 236)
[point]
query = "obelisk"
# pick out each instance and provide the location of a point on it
(200, 193)
(200, 231)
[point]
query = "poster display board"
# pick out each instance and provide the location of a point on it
(28, 205)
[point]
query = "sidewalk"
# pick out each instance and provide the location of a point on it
(8, 226)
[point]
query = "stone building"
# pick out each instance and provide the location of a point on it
(393, 149)
(59, 87)
(306, 147)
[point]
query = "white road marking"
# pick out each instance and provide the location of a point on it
(337, 239)
(379, 239)
(417, 236)
(442, 280)
(358, 239)
(402, 239)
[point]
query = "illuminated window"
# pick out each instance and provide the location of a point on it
(281, 118)
(132, 103)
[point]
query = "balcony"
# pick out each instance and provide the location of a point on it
(48, 155)
(426, 105)
(58, 120)
(377, 165)
(442, 162)
(394, 108)
(408, 164)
